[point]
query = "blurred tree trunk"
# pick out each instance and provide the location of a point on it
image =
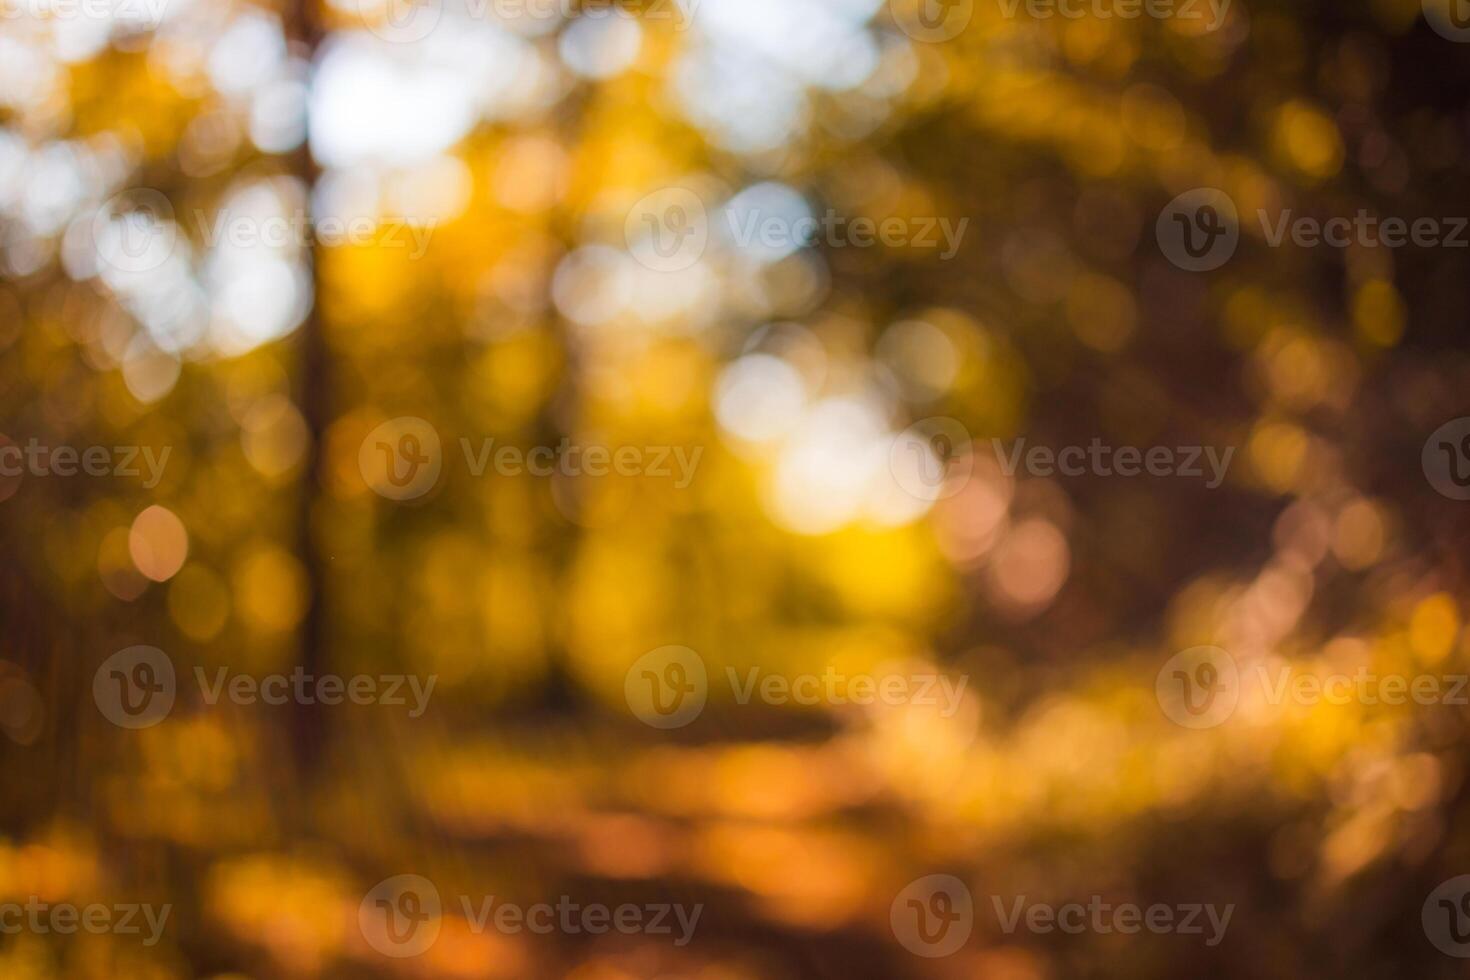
(313, 376)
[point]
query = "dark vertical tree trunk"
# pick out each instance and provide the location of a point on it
(308, 730)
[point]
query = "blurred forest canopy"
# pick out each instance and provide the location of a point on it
(476, 174)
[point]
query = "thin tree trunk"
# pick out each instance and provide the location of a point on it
(308, 729)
